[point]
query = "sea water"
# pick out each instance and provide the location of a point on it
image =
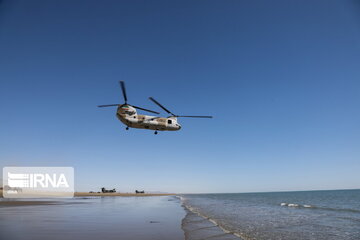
(302, 215)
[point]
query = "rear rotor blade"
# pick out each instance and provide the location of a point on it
(109, 105)
(122, 84)
(157, 103)
(197, 116)
(144, 109)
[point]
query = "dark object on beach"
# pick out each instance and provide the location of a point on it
(154, 222)
(136, 191)
(91, 192)
(103, 190)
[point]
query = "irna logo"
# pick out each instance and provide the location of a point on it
(38, 182)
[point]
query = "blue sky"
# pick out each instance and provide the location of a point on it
(281, 79)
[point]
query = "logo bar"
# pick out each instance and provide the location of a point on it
(38, 182)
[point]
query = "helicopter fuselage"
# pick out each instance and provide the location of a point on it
(128, 116)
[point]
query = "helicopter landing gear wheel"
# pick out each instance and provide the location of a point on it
(155, 132)
(127, 128)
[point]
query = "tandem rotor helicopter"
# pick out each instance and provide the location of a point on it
(127, 114)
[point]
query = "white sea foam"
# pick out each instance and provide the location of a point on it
(213, 221)
(293, 205)
(188, 207)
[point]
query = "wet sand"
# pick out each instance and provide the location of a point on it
(93, 217)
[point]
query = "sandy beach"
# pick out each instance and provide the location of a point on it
(85, 194)
(117, 194)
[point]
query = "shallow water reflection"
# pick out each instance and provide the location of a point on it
(124, 218)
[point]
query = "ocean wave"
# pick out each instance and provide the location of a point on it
(292, 205)
(295, 205)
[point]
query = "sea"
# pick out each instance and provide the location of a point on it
(317, 215)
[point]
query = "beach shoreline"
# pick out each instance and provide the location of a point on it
(85, 194)
(8, 202)
(117, 194)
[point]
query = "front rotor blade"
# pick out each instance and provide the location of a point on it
(197, 116)
(144, 109)
(109, 105)
(156, 102)
(122, 84)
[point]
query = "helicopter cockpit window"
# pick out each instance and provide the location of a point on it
(129, 112)
(169, 122)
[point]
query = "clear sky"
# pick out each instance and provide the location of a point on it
(281, 78)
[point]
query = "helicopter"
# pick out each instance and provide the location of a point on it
(128, 115)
